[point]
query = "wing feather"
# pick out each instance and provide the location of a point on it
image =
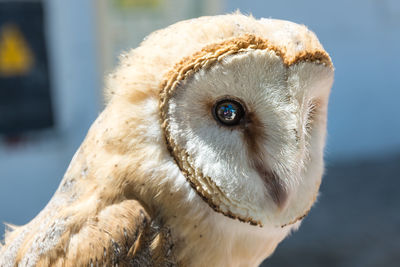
(122, 234)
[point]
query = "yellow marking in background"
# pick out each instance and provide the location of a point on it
(129, 4)
(15, 55)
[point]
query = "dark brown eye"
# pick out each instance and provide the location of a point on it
(228, 112)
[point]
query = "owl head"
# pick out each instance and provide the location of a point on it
(241, 106)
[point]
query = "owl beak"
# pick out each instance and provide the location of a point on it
(273, 184)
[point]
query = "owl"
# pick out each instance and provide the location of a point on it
(208, 153)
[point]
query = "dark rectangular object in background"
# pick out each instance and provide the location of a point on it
(25, 101)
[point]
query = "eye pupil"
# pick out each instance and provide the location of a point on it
(228, 112)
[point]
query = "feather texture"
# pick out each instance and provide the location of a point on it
(157, 182)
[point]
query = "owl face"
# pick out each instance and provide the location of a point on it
(246, 126)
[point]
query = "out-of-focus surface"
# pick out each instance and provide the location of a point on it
(33, 163)
(356, 221)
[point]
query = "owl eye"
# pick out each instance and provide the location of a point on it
(228, 112)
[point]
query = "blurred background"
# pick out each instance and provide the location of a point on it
(55, 53)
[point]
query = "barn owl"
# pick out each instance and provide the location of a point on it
(208, 152)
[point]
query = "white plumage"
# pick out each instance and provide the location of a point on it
(209, 151)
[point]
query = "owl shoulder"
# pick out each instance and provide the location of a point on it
(122, 234)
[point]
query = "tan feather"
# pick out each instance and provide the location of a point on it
(124, 200)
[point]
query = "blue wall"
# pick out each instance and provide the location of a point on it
(362, 37)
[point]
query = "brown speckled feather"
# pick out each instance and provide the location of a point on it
(136, 240)
(86, 225)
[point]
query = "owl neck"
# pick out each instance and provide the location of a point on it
(207, 238)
